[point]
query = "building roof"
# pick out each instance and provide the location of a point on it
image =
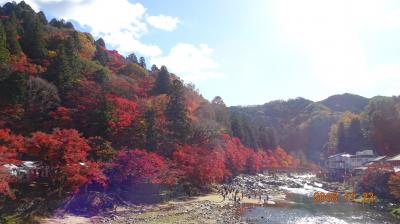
(379, 158)
(21, 168)
(347, 155)
(394, 158)
(340, 154)
(361, 168)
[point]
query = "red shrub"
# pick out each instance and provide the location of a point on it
(139, 166)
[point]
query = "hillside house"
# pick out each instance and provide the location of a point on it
(27, 170)
(394, 161)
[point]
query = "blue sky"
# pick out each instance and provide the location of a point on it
(256, 51)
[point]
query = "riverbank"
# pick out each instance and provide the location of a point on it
(212, 208)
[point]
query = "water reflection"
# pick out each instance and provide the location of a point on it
(301, 209)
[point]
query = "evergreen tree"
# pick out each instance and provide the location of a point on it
(236, 126)
(163, 82)
(11, 27)
(4, 53)
(154, 68)
(13, 89)
(341, 144)
(42, 18)
(33, 42)
(132, 58)
(142, 62)
(101, 54)
(151, 132)
(249, 136)
(100, 42)
(356, 140)
(72, 53)
(177, 114)
(64, 71)
(221, 112)
(266, 138)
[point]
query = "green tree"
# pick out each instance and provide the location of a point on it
(154, 69)
(101, 53)
(132, 58)
(163, 82)
(382, 121)
(11, 27)
(64, 71)
(72, 53)
(33, 42)
(4, 53)
(221, 112)
(236, 126)
(142, 62)
(266, 138)
(341, 138)
(42, 18)
(13, 89)
(177, 114)
(151, 131)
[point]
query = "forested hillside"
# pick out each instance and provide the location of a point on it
(93, 119)
(314, 130)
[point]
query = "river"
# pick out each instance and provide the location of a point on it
(299, 207)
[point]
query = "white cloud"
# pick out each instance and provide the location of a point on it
(122, 24)
(331, 32)
(162, 22)
(190, 62)
(119, 22)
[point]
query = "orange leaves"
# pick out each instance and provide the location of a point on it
(394, 185)
(22, 64)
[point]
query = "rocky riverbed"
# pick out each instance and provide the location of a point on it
(212, 208)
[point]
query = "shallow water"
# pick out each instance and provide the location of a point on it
(301, 209)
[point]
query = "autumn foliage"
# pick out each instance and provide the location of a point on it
(394, 185)
(106, 121)
(65, 152)
(139, 166)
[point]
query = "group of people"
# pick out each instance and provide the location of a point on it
(230, 192)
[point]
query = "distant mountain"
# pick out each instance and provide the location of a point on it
(300, 125)
(345, 102)
(340, 123)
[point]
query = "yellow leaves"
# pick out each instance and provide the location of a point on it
(394, 185)
(87, 47)
(51, 54)
(134, 71)
(348, 117)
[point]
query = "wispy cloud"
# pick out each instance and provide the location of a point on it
(193, 63)
(120, 23)
(162, 22)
